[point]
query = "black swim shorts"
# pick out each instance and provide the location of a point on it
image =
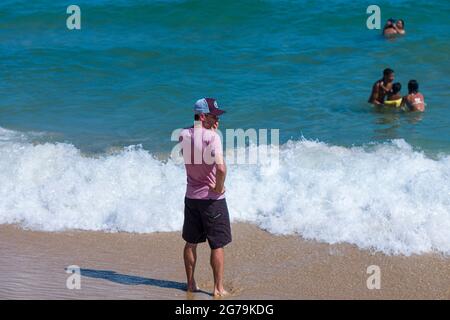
(206, 219)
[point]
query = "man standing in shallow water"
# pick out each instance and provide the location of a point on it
(381, 88)
(206, 214)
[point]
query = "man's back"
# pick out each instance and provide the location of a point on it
(201, 149)
(415, 101)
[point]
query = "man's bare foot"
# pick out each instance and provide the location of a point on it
(192, 287)
(220, 293)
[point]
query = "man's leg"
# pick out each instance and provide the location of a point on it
(190, 258)
(217, 264)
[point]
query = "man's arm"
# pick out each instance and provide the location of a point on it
(221, 168)
(403, 103)
(221, 173)
(374, 95)
(399, 31)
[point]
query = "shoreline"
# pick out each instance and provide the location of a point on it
(258, 265)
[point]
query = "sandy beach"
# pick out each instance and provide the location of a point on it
(259, 265)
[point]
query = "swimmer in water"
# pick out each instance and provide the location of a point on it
(415, 101)
(394, 98)
(382, 87)
(389, 29)
(399, 26)
(394, 28)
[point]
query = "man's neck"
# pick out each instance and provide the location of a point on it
(198, 124)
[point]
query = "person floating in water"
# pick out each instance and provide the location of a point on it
(389, 29)
(414, 100)
(393, 28)
(394, 98)
(399, 26)
(382, 87)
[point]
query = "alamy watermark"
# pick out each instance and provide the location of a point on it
(374, 20)
(374, 280)
(73, 282)
(73, 22)
(250, 146)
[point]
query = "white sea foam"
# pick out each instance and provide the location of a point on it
(386, 197)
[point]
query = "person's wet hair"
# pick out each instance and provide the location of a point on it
(388, 72)
(389, 24)
(396, 87)
(413, 86)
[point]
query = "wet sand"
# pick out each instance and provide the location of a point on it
(259, 265)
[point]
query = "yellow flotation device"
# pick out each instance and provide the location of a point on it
(393, 103)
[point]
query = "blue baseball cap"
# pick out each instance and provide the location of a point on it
(207, 105)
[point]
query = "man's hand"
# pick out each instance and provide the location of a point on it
(216, 189)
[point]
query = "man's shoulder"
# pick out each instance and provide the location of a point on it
(207, 134)
(212, 135)
(185, 134)
(186, 131)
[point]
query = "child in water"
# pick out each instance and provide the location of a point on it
(415, 101)
(394, 98)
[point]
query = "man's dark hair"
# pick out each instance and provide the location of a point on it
(196, 117)
(396, 87)
(413, 86)
(388, 72)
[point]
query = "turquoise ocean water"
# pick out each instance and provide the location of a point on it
(134, 70)
(130, 77)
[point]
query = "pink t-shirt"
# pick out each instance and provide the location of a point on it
(200, 147)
